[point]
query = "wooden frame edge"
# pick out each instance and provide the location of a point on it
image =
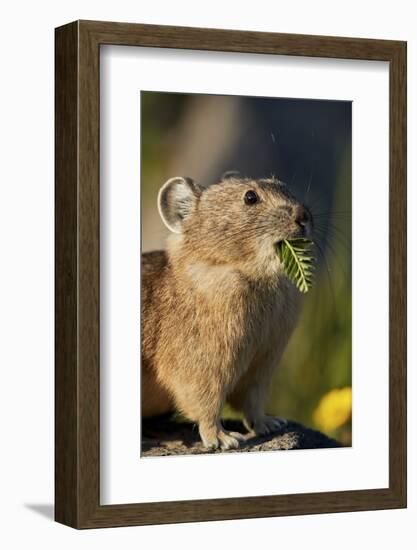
(398, 273)
(66, 275)
(77, 274)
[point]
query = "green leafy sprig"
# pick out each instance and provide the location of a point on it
(298, 261)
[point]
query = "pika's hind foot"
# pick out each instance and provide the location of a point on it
(220, 438)
(265, 425)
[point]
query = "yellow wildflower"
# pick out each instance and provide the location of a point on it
(334, 409)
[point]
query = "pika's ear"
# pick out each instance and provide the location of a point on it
(176, 200)
(230, 174)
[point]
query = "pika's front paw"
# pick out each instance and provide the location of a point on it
(220, 438)
(265, 425)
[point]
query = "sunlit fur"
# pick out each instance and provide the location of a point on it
(217, 310)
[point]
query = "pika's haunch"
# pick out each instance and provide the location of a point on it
(217, 308)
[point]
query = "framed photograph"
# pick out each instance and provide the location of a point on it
(230, 274)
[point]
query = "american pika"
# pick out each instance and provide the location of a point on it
(217, 308)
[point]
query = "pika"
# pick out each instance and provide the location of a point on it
(217, 308)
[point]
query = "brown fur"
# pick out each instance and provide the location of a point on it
(217, 310)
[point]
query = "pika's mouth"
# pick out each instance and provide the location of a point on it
(300, 233)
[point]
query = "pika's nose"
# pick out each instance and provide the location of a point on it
(301, 215)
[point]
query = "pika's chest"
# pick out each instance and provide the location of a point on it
(243, 318)
(272, 317)
(253, 323)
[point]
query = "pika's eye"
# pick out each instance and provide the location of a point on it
(251, 197)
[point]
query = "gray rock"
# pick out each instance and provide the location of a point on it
(165, 437)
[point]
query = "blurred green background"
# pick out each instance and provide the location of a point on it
(307, 144)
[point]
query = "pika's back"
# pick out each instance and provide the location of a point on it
(154, 266)
(154, 274)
